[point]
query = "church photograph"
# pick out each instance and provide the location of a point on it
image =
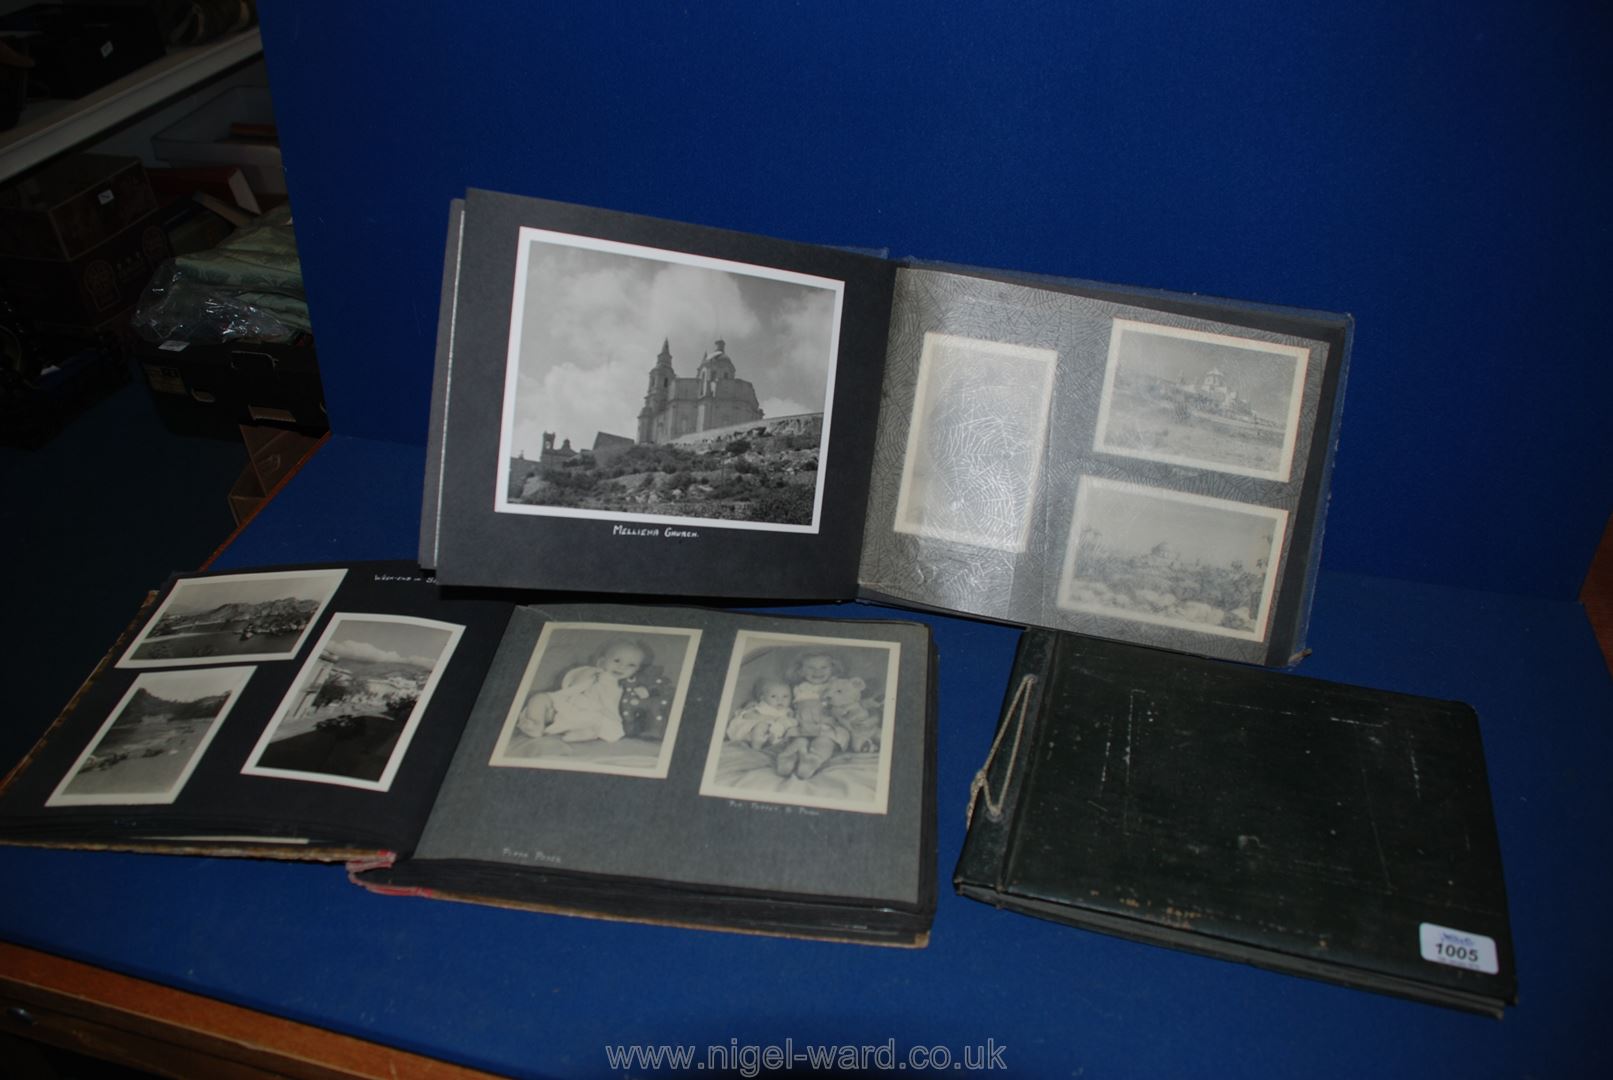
(651, 385)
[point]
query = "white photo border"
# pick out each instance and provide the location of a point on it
(932, 339)
(499, 759)
(1296, 395)
(128, 660)
(395, 760)
(744, 642)
(1276, 515)
(528, 236)
(61, 797)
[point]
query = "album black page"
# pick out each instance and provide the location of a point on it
(631, 405)
(304, 712)
(672, 762)
(1315, 828)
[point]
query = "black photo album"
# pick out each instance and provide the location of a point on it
(1313, 828)
(624, 404)
(572, 757)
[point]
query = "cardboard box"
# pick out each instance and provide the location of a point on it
(72, 205)
(94, 291)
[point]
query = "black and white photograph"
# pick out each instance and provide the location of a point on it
(235, 618)
(1205, 400)
(805, 721)
(152, 740)
(600, 697)
(657, 386)
(1172, 559)
(349, 716)
(975, 442)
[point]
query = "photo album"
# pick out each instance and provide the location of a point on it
(624, 404)
(568, 757)
(1309, 827)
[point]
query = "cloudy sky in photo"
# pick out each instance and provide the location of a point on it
(376, 642)
(594, 322)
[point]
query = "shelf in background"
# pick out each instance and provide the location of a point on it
(49, 128)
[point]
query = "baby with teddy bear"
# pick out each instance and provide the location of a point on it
(808, 716)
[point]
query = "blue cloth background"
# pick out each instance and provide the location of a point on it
(1438, 170)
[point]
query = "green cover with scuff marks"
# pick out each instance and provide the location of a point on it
(1301, 825)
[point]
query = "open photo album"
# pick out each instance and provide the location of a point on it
(625, 404)
(690, 766)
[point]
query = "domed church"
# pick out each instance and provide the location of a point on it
(714, 398)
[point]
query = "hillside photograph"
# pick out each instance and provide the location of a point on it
(349, 716)
(661, 386)
(234, 617)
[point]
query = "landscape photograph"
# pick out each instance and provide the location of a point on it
(1172, 559)
(355, 705)
(1210, 401)
(974, 446)
(234, 617)
(149, 745)
(658, 386)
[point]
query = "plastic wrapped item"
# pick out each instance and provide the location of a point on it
(248, 288)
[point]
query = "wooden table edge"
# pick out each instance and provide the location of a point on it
(177, 1033)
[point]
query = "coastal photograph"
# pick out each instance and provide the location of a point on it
(649, 385)
(234, 618)
(1172, 559)
(1204, 400)
(349, 716)
(150, 743)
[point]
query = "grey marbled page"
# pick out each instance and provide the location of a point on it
(1056, 460)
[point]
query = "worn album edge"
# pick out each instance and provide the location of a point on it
(1298, 629)
(437, 430)
(919, 940)
(1201, 944)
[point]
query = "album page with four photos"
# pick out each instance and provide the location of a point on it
(625, 404)
(685, 765)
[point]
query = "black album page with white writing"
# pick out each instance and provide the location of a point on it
(631, 405)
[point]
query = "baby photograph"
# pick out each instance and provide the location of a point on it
(805, 721)
(600, 697)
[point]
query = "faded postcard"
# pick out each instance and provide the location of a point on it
(975, 443)
(1172, 559)
(1204, 400)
